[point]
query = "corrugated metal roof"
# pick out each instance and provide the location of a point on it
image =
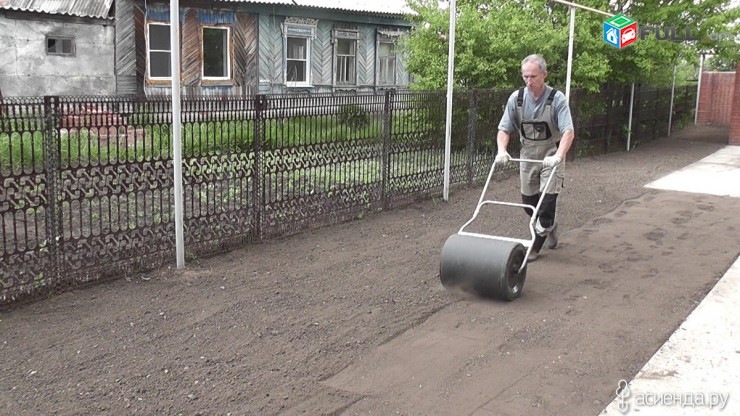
(82, 8)
(393, 7)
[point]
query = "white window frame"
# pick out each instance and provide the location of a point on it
(387, 36)
(71, 39)
(299, 28)
(351, 35)
(227, 58)
(379, 66)
(149, 52)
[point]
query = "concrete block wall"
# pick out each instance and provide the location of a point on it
(26, 69)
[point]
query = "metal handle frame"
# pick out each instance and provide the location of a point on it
(481, 202)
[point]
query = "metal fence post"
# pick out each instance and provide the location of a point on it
(258, 200)
(608, 130)
(655, 113)
(385, 166)
(469, 147)
(52, 171)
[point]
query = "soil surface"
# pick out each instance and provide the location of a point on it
(353, 319)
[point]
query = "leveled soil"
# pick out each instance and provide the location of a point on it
(317, 323)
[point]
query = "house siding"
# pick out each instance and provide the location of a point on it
(270, 54)
(31, 72)
(272, 59)
(243, 47)
(126, 81)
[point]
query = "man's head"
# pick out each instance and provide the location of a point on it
(534, 72)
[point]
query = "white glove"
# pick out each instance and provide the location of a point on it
(502, 157)
(551, 161)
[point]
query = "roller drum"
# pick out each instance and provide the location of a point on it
(483, 266)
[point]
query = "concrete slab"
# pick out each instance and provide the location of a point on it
(716, 174)
(696, 370)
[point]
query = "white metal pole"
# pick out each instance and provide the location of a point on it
(673, 89)
(570, 52)
(580, 6)
(698, 90)
(629, 121)
(176, 128)
(448, 124)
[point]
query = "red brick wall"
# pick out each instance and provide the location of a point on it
(735, 119)
(716, 97)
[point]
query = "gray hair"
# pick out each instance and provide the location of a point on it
(537, 60)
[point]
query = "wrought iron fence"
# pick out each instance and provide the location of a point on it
(87, 182)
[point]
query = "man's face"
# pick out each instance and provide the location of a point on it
(533, 77)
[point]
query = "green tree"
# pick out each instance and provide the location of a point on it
(492, 37)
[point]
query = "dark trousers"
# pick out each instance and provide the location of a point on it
(546, 214)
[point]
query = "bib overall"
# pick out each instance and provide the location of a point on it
(539, 138)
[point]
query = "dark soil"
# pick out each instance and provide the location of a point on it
(283, 327)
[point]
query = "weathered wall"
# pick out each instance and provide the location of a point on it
(26, 69)
(271, 58)
(243, 49)
(716, 96)
(735, 118)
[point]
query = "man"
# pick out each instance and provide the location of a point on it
(542, 117)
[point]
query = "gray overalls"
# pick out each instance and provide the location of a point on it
(539, 138)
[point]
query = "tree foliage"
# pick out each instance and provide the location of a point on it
(493, 36)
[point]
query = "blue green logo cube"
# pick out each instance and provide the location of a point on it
(620, 31)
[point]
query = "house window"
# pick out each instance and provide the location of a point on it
(216, 53)
(298, 34)
(159, 51)
(297, 61)
(345, 57)
(386, 63)
(58, 45)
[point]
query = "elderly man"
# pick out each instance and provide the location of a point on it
(542, 117)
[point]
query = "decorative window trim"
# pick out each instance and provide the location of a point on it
(229, 54)
(348, 34)
(303, 28)
(73, 48)
(386, 36)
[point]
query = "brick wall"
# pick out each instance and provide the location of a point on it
(735, 119)
(716, 98)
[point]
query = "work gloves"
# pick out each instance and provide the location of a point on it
(502, 157)
(550, 161)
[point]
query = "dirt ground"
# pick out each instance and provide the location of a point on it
(292, 325)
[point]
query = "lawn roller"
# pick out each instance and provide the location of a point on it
(487, 265)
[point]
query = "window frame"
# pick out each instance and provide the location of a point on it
(299, 28)
(71, 39)
(392, 37)
(227, 57)
(345, 34)
(393, 57)
(149, 52)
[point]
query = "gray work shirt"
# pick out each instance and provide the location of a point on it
(532, 109)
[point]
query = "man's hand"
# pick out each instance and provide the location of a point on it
(502, 157)
(551, 161)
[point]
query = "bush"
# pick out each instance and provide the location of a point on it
(354, 116)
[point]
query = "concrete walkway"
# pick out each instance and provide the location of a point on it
(697, 371)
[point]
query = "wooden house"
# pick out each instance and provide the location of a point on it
(245, 47)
